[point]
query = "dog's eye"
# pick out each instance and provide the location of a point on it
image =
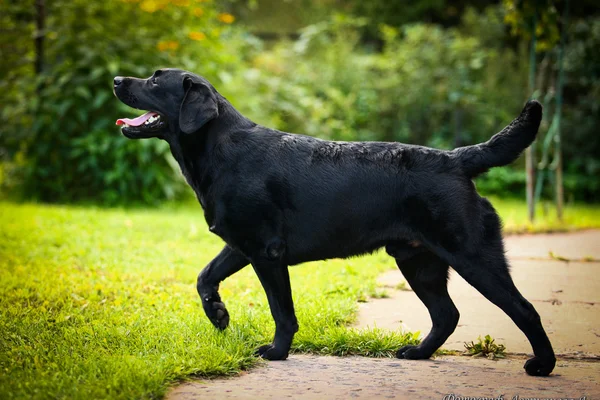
(154, 80)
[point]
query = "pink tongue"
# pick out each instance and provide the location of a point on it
(136, 121)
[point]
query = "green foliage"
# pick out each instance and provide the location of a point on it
(581, 141)
(429, 85)
(514, 216)
(502, 180)
(522, 15)
(15, 72)
(73, 150)
(381, 76)
(398, 13)
(486, 348)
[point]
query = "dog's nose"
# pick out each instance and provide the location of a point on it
(118, 80)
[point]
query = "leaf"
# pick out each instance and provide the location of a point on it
(97, 72)
(83, 92)
(555, 256)
(63, 107)
(99, 99)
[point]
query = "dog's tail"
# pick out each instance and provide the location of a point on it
(505, 146)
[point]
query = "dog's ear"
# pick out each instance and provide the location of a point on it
(199, 105)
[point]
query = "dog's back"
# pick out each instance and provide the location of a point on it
(339, 199)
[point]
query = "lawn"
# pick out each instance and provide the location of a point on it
(101, 303)
(514, 217)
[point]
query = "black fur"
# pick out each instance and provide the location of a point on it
(279, 199)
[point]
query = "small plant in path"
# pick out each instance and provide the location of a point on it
(485, 348)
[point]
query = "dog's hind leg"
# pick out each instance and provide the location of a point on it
(484, 266)
(227, 263)
(489, 274)
(427, 275)
(404, 250)
(275, 279)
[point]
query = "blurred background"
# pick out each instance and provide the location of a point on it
(441, 73)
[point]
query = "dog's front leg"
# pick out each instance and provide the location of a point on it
(227, 263)
(275, 278)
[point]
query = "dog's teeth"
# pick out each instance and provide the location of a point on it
(152, 119)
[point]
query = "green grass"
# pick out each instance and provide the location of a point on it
(98, 303)
(102, 304)
(514, 217)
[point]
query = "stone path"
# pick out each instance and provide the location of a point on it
(316, 377)
(566, 295)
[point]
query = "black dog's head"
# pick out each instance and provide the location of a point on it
(177, 102)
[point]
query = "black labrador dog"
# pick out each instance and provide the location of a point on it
(279, 199)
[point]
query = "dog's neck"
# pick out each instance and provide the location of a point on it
(194, 152)
(190, 152)
(230, 119)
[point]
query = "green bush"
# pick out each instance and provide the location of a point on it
(500, 181)
(429, 85)
(72, 148)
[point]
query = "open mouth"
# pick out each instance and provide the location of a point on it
(144, 125)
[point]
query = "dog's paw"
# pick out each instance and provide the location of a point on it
(537, 367)
(217, 314)
(412, 353)
(270, 352)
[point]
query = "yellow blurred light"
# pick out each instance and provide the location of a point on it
(167, 45)
(197, 36)
(149, 6)
(226, 18)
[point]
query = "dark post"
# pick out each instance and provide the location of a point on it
(529, 162)
(559, 100)
(40, 7)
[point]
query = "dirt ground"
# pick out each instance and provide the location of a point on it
(565, 293)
